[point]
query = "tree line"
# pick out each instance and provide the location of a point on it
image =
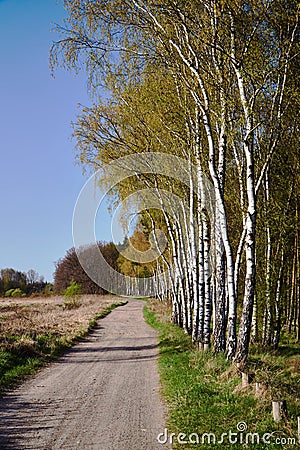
(69, 269)
(216, 84)
(14, 283)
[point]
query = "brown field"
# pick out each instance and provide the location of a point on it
(28, 318)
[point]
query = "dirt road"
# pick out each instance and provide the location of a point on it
(103, 394)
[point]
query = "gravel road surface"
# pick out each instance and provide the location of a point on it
(103, 394)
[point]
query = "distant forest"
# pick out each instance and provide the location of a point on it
(14, 283)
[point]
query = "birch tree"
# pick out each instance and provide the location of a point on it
(232, 63)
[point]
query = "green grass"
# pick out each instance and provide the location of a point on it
(14, 367)
(202, 395)
(23, 355)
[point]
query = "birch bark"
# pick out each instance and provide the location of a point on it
(250, 225)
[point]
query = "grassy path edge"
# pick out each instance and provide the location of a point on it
(206, 407)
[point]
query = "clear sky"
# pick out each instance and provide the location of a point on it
(39, 182)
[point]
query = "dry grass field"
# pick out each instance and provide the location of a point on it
(31, 317)
(32, 330)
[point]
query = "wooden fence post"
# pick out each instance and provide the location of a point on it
(279, 409)
(260, 388)
(245, 379)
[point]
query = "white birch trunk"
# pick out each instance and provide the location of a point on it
(220, 207)
(250, 225)
(193, 263)
(254, 324)
(207, 282)
(201, 197)
(219, 328)
(267, 331)
(249, 289)
(184, 287)
(277, 303)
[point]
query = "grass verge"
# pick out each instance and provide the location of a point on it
(205, 399)
(22, 354)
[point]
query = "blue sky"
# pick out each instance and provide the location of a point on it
(39, 182)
